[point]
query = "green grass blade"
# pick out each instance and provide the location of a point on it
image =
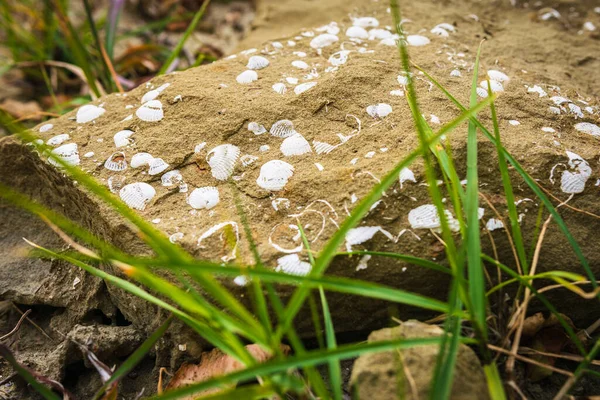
(191, 27)
(311, 358)
(494, 382)
(90, 19)
(474, 266)
(245, 392)
(515, 227)
(137, 356)
(421, 262)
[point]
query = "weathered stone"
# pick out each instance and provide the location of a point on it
(408, 373)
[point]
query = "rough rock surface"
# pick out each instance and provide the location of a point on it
(208, 105)
(407, 374)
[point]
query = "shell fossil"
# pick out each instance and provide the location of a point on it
(365, 22)
(222, 160)
(279, 88)
(121, 138)
(295, 145)
(292, 265)
(58, 139)
(256, 128)
(88, 113)
(137, 195)
(589, 128)
(140, 159)
(323, 40)
(171, 178)
(303, 87)
(299, 64)
(204, 197)
(380, 110)
(157, 165)
(274, 175)
(150, 111)
(357, 32)
(116, 162)
(257, 62)
(67, 153)
(417, 40)
(283, 128)
(247, 77)
(426, 217)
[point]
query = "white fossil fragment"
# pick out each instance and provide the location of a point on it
(256, 128)
(67, 153)
(357, 32)
(279, 88)
(257, 62)
(58, 139)
(204, 198)
(274, 175)
(88, 113)
(283, 128)
(171, 178)
(303, 87)
(574, 182)
(137, 195)
(417, 40)
(292, 265)
(121, 138)
(46, 128)
(406, 175)
(589, 128)
(339, 58)
(380, 110)
(116, 162)
(150, 111)
(498, 76)
(140, 159)
(295, 145)
(222, 160)
(211, 231)
(157, 165)
(362, 234)
(247, 77)
(323, 40)
(299, 64)
(492, 224)
(365, 22)
(426, 217)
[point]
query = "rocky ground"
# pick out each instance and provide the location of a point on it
(545, 60)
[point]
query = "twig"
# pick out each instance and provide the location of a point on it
(36, 326)
(529, 360)
(570, 357)
(16, 328)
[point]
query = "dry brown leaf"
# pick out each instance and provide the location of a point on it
(20, 109)
(533, 324)
(213, 364)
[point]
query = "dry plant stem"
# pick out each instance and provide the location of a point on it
(510, 363)
(83, 250)
(530, 360)
(37, 114)
(566, 205)
(570, 357)
(516, 388)
(411, 382)
(586, 295)
(111, 68)
(36, 326)
(16, 328)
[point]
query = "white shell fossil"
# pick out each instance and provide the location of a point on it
(115, 183)
(439, 31)
(256, 128)
(362, 234)
(406, 175)
(137, 195)
(211, 231)
(574, 182)
(589, 128)
(323, 40)
(274, 175)
(339, 58)
(446, 26)
(494, 224)
(498, 76)
(121, 138)
(157, 165)
(295, 145)
(116, 162)
(417, 40)
(153, 94)
(357, 32)
(494, 85)
(379, 34)
(140, 159)
(171, 178)
(380, 110)
(247, 159)
(67, 153)
(426, 217)
(282, 128)
(257, 62)
(365, 22)
(279, 88)
(222, 160)
(292, 265)
(150, 111)
(303, 87)
(89, 113)
(46, 128)
(456, 73)
(247, 77)
(299, 64)
(204, 197)
(58, 139)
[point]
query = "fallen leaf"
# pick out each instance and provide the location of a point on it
(20, 109)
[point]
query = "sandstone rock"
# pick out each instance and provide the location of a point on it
(407, 374)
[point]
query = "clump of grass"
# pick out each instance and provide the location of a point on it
(219, 317)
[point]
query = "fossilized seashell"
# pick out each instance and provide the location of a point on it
(174, 238)
(256, 128)
(246, 77)
(274, 175)
(498, 76)
(589, 128)
(292, 265)
(247, 159)
(295, 145)
(575, 109)
(150, 111)
(279, 88)
(365, 22)
(339, 58)
(406, 175)
(332, 28)
(115, 183)
(171, 178)
(362, 234)
(481, 92)
(153, 94)
(494, 224)
(88, 113)
(58, 139)
(67, 153)
(439, 31)
(494, 85)
(417, 40)
(397, 92)
(204, 197)
(282, 128)
(140, 159)
(222, 160)
(446, 27)
(558, 100)
(323, 147)
(390, 41)
(121, 138)
(299, 64)
(211, 231)
(426, 217)
(357, 32)
(323, 40)
(456, 73)
(574, 182)
(538, 90)
(157, 165)
(137, 195)
(199, 147)
(46, 128)
(257, 62)
(380, 110)
(116, 162)
(291, 80)
(303, 87)
(248, 51)
(379, 34)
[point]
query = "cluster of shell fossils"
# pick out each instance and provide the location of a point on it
(276, 173)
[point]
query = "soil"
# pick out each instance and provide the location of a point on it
(555, 54)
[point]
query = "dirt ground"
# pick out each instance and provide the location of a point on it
(557, 54)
